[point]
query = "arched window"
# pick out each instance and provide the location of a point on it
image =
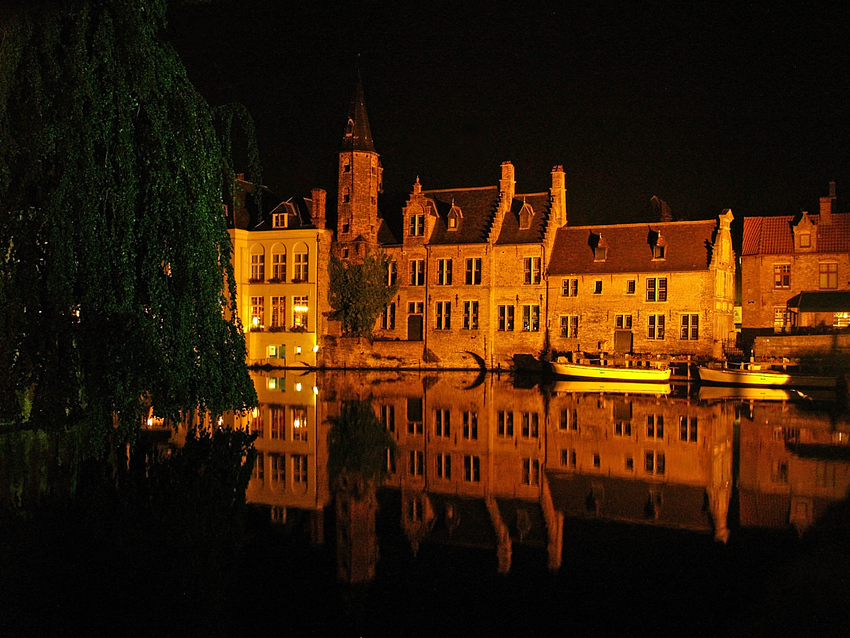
(346, 195)
(278, 262)
(301, 270)
(258, 263)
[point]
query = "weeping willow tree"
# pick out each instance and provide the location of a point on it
(116, 287)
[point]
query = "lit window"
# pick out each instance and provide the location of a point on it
(278, 312)
(829, 276)
(531, 318)
(299, 423)
(805, 240)
(279, 263)
(280, 220)
(258, 315)
(258, 263)
(300, 309)
(302, 265)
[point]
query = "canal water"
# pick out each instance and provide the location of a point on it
(513, 506)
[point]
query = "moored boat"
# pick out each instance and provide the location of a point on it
(564, 368)
(757, 377)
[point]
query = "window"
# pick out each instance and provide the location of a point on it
(388, 317)
(278, 468)
(525, 216)
(388, 417)
(568, 420)
(299, 423)
(346, 227)
(781, 318)
(444, 466)
(346, 195)
(279, 265)
(259, 472)
(530, 472)
(655, 327)
(346, 165)
(597, 286)
(530, 425)
(568, 457)
(829, 275)
(444, 315)
(278, 312)
(569, 326)
(688, 429)
(416, 307)
(470, 426)
(278, 418)
(471, 468)
(690, 327)
(506, 318)
(473, 271)
(630, 463)
(280, 220)
(654, 462)
(452, 222)
(569, 287)
(258, 264)
(299, 468)
(505, 423)
(416, 227)
(531, 318)
(654, 426)
(600, 253)
(531, 270)
(630, 287)
(392, 273)
(277, 383)
(805, 240)
(258, 314)
(658, 251)
(597, 461)
(417, 272)
(444, 272)
(623, 322)
(470, 315)
(622, 428)
(414, 415)
(416, 463)
(442, 423)
(302, 266)
(781, 275)
(345, 253)
(300, 308)
(656, 289)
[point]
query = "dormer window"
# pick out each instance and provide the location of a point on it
(659, 245)
(280, 220)
(525, 216)
(454, 217)
(658, 252)
(416, 221)
(599, 247)
(805, 240)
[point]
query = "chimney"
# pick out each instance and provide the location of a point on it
(558, 193)
(507, 185)
(319, 197)
(826, 205)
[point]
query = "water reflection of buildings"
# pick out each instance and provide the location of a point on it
(485, 463)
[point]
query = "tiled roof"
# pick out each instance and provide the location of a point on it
(511, 232)
(477, 205)
(688, 248)
(774, 235)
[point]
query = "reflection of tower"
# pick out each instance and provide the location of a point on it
(720, 476)
(356, 540)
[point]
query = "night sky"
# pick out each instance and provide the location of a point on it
(706, 107)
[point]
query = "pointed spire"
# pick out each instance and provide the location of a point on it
(358, 135)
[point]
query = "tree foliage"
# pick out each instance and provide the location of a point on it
(358, 444)
(359, 293)
(116, 286)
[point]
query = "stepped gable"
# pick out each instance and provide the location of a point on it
(775, 235)
(688, 246)
(512, 233)
(477, 206)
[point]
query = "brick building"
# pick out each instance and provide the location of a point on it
(785, 256)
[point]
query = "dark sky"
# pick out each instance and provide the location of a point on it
(709, 108)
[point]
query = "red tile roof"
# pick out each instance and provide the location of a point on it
(774, 235)
(688, 248)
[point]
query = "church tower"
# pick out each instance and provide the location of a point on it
(360, 176)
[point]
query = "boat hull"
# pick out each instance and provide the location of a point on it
(610, 373)
(764, 378)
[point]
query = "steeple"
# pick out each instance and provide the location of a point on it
(358, 135)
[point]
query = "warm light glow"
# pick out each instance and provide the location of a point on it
(297, 349)
(296, 423)
(315, 390)
(316, 348)
(298, 308)
(150, 422)
(220, 421)
(255, 412)
(255, 321)
(298, 387)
